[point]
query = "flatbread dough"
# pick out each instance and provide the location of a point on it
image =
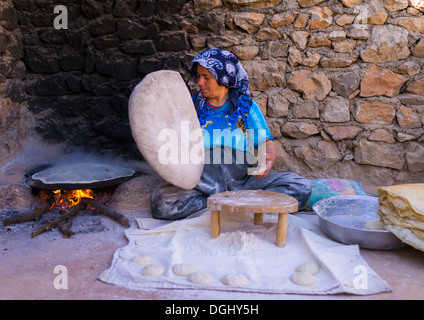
(201, 278)
(234, 279)
(311, 268)
(302, 278)
(142, 260)
(153, 271)
(165, 127)
(401, 208)
(183, 269)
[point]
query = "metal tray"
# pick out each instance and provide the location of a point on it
(344, 218)
(83, 175)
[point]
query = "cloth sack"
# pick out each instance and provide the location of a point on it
(324, 188)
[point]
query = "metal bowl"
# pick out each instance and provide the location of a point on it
(344, 219)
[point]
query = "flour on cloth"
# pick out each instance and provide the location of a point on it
(242, 248)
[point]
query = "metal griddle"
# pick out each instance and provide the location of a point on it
(84, 175)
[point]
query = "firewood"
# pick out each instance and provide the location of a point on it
(50, 225)
(106, 211)
(65, 229)
(33, 215)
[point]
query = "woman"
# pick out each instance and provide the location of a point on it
(234, 127)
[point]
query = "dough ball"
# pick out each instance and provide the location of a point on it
(153, 271)
(234, 279)
(183, 269)
(311, 268)
(302, 278)
(142, 260)
(200, 278)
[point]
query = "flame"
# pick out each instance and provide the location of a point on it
(68, 198)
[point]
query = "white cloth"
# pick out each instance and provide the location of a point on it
(244, 248)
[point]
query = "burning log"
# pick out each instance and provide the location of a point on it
(75, 200)
(106, 211)
(50, 225)
(33, 215)
(65, 229)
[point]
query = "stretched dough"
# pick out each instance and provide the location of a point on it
(166, 129)
(234, 279)
(302, 278)
(183, 269)
(200, 278)
(153, 271)
(142, 260)
(311, 268)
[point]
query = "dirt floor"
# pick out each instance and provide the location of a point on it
(31, 268)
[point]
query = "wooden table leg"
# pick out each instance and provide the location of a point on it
(282, 229)
(258, 218)
(215, 224)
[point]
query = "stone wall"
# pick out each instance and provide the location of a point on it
(16, 122)
(341, 82)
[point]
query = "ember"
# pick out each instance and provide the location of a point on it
(67, 198)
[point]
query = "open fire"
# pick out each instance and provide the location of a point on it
(68, 203)
(68, 198)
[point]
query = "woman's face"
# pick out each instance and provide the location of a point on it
(208, 85)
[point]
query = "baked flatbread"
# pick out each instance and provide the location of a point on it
(401, 208)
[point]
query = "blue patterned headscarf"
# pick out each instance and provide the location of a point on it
(227, 71)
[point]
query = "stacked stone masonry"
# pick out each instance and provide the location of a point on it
(340, 81)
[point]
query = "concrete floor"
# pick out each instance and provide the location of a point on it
(27, 269)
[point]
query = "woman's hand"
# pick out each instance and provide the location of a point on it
(271, 154)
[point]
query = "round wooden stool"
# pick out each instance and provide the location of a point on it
(253, 201)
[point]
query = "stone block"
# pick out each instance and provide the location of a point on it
(127, 29)
(381, 82)
(321, 18)
(313, 85)
(345, 83)
(319, 156)
(387, 43)
(172, 41)
(309, 3)
(249, 21)
(338, 133)
(414, 157)
(115, 64)
(408, 118)
(306, 110)
(374, 112)
(299, 130)
(380, 154)
(42, 59)
(335, 109)
(52, 86)
(71, 59)
(264, 4)
(278, 104)
(265, 74)
(416, 87)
